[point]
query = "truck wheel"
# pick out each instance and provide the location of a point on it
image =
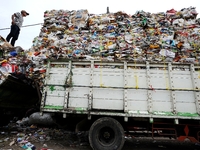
(106, 134)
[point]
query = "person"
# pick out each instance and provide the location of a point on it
(16, 24)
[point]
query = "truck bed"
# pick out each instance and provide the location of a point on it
(126, 89)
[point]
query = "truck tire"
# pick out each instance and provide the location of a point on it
(106, 134)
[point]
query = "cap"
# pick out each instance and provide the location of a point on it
(23, 11)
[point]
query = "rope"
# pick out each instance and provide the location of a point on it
(24, 26)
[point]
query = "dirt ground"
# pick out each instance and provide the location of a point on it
(71, 142)
(14, 137)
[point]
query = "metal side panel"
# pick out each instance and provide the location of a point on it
(159, 79)
(78, 98)
(54, 102)
(106, 77)
(137, 101)
(55, 96)
(53, 91)
(57, 76)
(107, 98)
(55, 88)
(182, 80)
(161, 101)
(185, 102)
(101, 77)
(81, 77)
(135, 78)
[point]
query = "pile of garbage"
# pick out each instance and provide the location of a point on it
(20, 63)
(171, 36)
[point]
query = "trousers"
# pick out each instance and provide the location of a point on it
(14, 34)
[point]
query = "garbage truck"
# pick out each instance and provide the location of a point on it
(119, 98)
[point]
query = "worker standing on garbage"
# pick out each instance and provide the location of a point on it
(16, 24)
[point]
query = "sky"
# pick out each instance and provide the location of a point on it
(36, 9)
